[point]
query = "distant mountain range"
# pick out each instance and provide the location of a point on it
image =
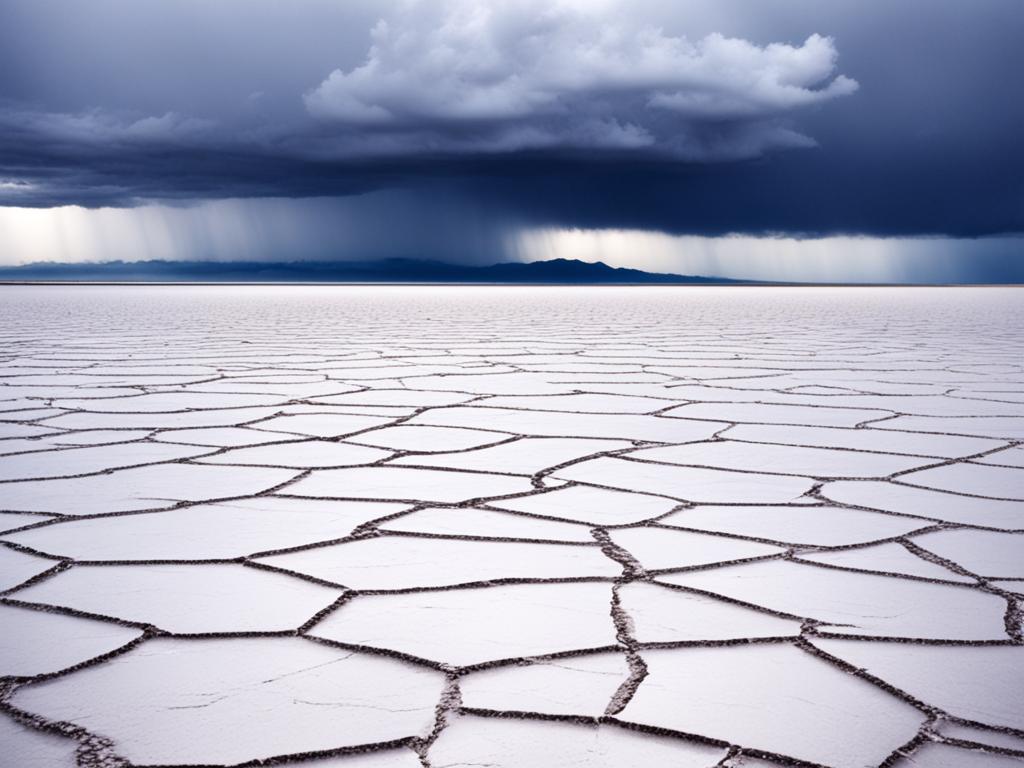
(554, 271)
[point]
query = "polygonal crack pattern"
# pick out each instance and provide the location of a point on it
(523, 528)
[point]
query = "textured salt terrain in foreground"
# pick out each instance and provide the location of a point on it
(514, 528)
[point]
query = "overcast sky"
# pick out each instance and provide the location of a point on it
(850, 139)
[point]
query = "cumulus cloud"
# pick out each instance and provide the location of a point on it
(472, 76)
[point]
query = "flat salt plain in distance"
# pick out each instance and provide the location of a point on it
(388, 527)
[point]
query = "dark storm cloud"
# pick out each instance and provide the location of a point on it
(686, 117)
(479, 78)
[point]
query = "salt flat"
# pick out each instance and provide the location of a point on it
(387, 527)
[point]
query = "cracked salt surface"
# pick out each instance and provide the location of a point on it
(407, 562)
(587, 504)
(406, 484)
(975, 511)
(965, 733)
(17, 567)
(475, 741)
(857, 603)
(662, 615)
(660, 548)
(536, 528)
(945, 756)
(172, 701)
(888, 558)
(988, 553)
(580, 685)
(470, 521)
(151, 487)
(980, 684)
(694, 484)
(306, 454)
(186, 598)
(776, 698)
(780, 459)
(39, 643)
(27, 748)
(464, 627)
(231, 529)
(811, 526)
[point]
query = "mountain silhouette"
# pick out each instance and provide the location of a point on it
(554, 271)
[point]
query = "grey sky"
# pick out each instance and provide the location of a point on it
(690, 118)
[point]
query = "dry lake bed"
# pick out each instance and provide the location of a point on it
(390, 527)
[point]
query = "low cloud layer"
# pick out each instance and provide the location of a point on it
(466, 76)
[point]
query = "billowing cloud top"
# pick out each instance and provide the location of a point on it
(464, 75)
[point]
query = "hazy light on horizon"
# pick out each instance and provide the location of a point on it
(396, 224)
(827, 259)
